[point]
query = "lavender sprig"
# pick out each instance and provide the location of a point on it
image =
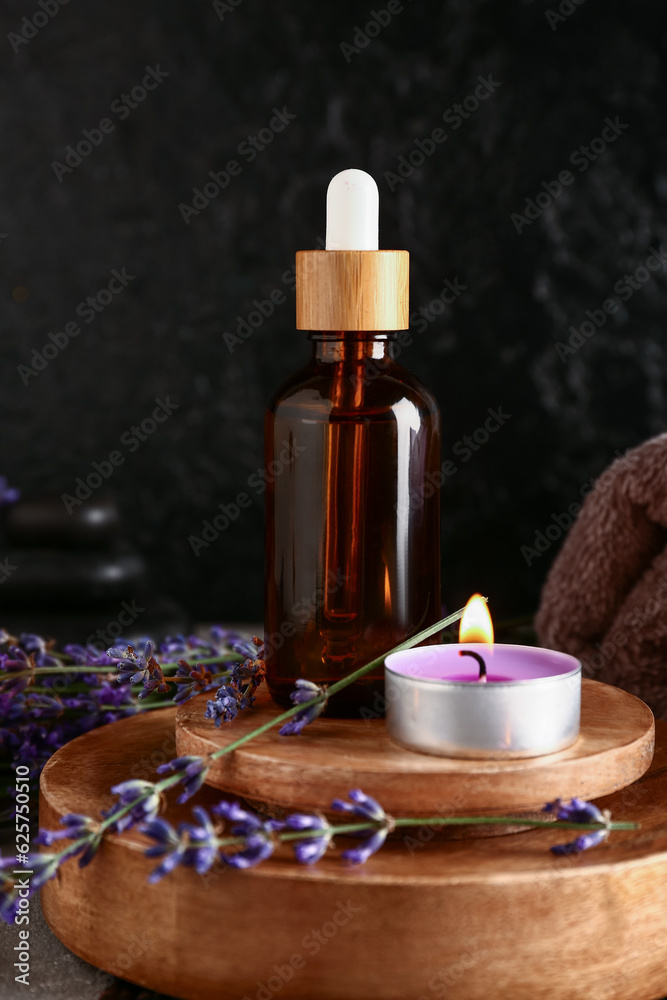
(254, 836)
(311, 848)
(579, 811)
(191, 771)
(192, 845)
(305, 695)
(380, 824)
(238, 693)
(138, 801)
(254, 833)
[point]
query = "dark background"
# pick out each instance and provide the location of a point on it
(163, 335)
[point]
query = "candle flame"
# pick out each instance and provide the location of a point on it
(476, 624)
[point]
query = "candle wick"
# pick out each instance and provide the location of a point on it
(482, 665)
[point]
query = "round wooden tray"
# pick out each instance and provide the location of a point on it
(423, 918)
(332, 756)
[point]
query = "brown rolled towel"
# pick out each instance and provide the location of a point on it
(605, 598)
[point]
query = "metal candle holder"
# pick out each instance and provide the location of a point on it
(525, 703)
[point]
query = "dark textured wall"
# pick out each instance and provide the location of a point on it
(64, 232)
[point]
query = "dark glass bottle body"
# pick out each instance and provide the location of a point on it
(352, 450)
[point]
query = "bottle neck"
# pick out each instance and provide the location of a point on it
(332, 347)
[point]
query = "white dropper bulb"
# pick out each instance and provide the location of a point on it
(353, 209)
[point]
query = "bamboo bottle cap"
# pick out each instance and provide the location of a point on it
(352, 285)
(352, 289)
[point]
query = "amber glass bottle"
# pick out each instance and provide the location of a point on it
(352, 447)
(352, 515)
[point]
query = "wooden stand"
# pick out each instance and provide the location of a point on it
(425, 917)
(614, 748)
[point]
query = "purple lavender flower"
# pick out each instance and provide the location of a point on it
(43, 866)
(203, 841)
(154, 682)
(89, 655)
(8, 494)
(169, 844)
(218, 643)
(142, 669)
(135, 793)
(305, 692)
(579, 811)
(379, 824)
(248, 676)
(226, 705)
(43, 706)
(250, 648)
(310, 849)
(581, 843)
(16, 661)
(192, 845)
(33, 643)
(192, 679)
(74, 825)
(193, 771)
(116, 699)
(131, 667)
(256, 832)
(223, 636)
(92, 715)
(180, 645)
(40, 649)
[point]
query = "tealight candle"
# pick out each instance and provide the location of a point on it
(480, 699)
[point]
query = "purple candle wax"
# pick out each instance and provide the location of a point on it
(467, 679)
(504, 663)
